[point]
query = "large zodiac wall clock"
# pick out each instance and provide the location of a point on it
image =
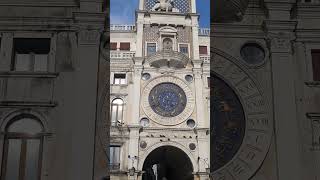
(167, 100)
(241, 125)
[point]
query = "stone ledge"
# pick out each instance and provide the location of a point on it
(15, 74)
(27, 104)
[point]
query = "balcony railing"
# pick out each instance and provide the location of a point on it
(114, 166)
(130, 28)
(204, 32)
(122, 27)
(122, 54)
(205, 58)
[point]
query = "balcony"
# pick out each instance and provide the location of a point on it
(168, 59)
(205, 58)
(132, 28)
(114, 166)
(122, 54)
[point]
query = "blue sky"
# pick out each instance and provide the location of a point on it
(123, 11)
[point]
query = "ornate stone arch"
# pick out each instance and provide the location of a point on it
(11, 114)
(145, 154)
(258, 116)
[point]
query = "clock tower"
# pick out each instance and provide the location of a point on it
(167, 108)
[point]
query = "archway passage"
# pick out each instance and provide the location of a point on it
(167, 163)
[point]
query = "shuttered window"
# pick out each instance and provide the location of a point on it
(203, 50)
(316, 64)
(125, 46)
(113, 46)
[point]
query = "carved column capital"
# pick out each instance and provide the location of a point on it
(280, 42)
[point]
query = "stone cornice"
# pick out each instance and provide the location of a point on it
(47, 3)
(278, 25)
(313, 115)
(72, 23)
(308, 11)
(279, 5)
(32, 24)
(237, 30)
(94, 20)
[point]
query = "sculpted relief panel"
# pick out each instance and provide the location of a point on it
(182, 6)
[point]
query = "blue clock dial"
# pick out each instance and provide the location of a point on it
(167, 99)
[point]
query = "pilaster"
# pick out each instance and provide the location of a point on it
(6, 51)
(195, 38)
(280, 36)
(197, 71)
(140, 43)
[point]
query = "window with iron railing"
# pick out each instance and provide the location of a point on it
(114, 163)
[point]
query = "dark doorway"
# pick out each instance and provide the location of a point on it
(167, 163)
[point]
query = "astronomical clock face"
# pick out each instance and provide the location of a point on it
(228, 124)
(241, 130)
(167, 100)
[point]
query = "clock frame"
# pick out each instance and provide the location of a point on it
(162, 120)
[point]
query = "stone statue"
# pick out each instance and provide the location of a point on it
(163, 5)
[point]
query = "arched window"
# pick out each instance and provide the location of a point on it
(167, 44)
(116, 111)
(23, 147)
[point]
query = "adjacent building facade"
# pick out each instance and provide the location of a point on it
(265, 74)
(50, 54)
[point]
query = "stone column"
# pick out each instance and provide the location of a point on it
(136, 79)
(204, 149)
(193, 6)
(133, 150)
(195, 38)
(199, 94)
(141, 4)
(280, 35)
(140, 42)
